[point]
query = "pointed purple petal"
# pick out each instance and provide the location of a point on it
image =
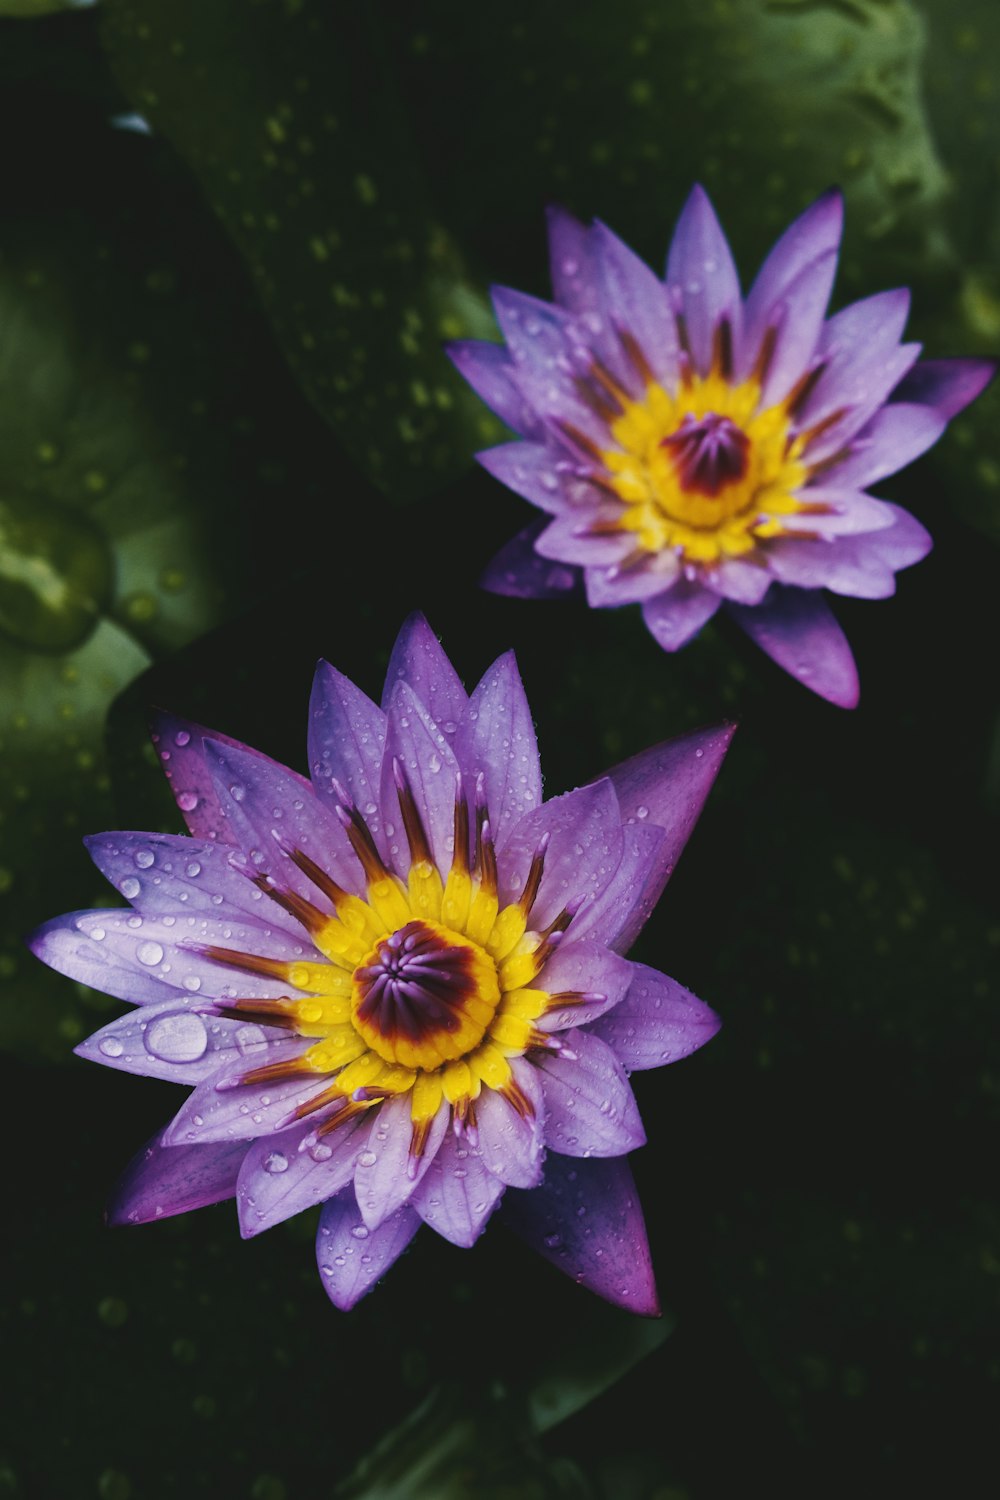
(529, 469)
(567, 539)
(223, 1109)
(635, 300)
(796, 628)
(419, 660)
(488, 369)
(851, 511)
(548, 355)
(497, 739)
(584, 849)
(658, 1022)
(458, 1194)
(701, 270)
(346, 742)
(427, 760)
(68, 944)
(846, 565)
(352, 1257)
(586, 1219)
(947, 385)
(741, 581)
(676, 616)
(895, 436)
(171, 1040)
(282, 1175)
(511, 1146)
(619, 913)
(382, 1179)
(589, 968)
(163, 1180)
(590, 1108)
(797, 318)
(813, 235)
(571, 261)
(519, 572)
(610, 588)
(903, 543)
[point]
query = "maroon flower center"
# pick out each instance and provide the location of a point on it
(709, 453)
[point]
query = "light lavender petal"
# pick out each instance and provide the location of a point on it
(619, 913)
(658, 1022)
(797, 318)
(382, 1178)
(584, 849)
(635, 300)
(897, 435)
(419, 659)
(586, 967)
(420, 747)
(675, 617)
(346, 743)
(512, 1147)
(572, 261)
(497, 739)
(284, 1174)
(610, 588)
(845, 565)
(458, 1193)
(947, 385)
(530, 469)
(702, 273)
(488, 369)
(813, 235)
(223, 1109)
(548, 358)
(352, 1257)
(590, 1108)
(172, 1040)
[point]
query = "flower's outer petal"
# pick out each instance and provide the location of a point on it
(947, 385)
(586, 1219)
(68, 944)
(569, 539)
(529, 469)
(797, 320)
(458, 1193)
(609, 588)
(796, 628)
(658, 1022)
(163, 1180)
(346, 742)
(859, 390)
(172, 1040)
(180, 746)
(488, 369)
(282, 1175)
(846, 565)
(620, 912)
(223, 1109)
(382, 1178)
(572, 261)
(675, 617)
(590, 1109)
(894, 437)
(586, 967)
(171, 873)
(497, 739)
(859, 351)
(814, 234)
(741, 581)
(424, 754)
(702, 273)
(548, 357)
(352, 1257)
(512, 1146)
(665, 787)
(263, 802)
(584, 848)
(851, 511)
(519, 572)
(636, 301)
(903, 543)
(419, 659)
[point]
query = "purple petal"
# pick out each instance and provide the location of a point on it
(352, 1257)
(797, 318)
(812, 236)
(590, 1108)
(609, 588)
(903, 543)
(676, 616)
(567, 539)
(519, 572)
(346, 742)
(658, 1022)
(857, 392)
(892, 439)
(701, 269)
(497, 739)
(846, 565)
(548, 356)
(620, 912)
(458, 1193)
(164, 1180)
(419, 660)
(796, 628)
(589, 968)
(382, 1179)
(68, 945)
(851, 511)
(283, 1175)
(263, 802)
(586, 1219)
(572, 261)
(947, 385)
(171, 1040)
(584, 849)
(419, 746)
(529, 469)
(223, 1109)
(634, 299)
(743, 582)
(511, 1146)
(488, 369)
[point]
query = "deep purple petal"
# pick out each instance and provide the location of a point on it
(487, 368)
(346, 742)
(586, 967)
(548, 356)
(382, 1178)
(700, 268)
(572, 261)
(610, 588)
(675, 617)
(813, 235)
(419, 746)
(618, 914)
(458, 1193)
(636, 301)
(352, 1257)
(894, 437)
(519, 572)
(590, 1108)
(947, 385)
(584, 849)
(223, 1109)
(529, 469)
(282, 1175)
(658, 1022)
(171, 1040)
(164, 1180)
(586, 1219)
(497, 739)
(512, 1147)
(796, 628)
(797, 318)
(419, 659)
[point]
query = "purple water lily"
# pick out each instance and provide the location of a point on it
(397, 988)
(693, 448)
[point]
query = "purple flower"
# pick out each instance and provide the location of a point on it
(397, 988)
(693, 448)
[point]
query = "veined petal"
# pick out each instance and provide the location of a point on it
(700, 268)
(512, 1144)
(458, 1193)
(849, 511)
(590, 1108)
(569, 539)
(172, 1040)
(845, 565)
(584, 968)
(74, 945)
(352, 1257)
(529, 469)
(546, 351)
(519, 572)
(497, 740)
(796, 628)
(797, 318)
(488, 369)
(585, 1218)
(161, 1180)
(813, 236)
(572, 261)
(892, 439)
(419, 660)
(223, 1109)
(386, 1174)
(346, 742)
(739, 580)
(583, 852)
(903, 543)
(635, 301)
(674, 617)
(609, 588)
(658, 1022)
(619, 913)
(420, 747)
(946, 385)
(282, 1175)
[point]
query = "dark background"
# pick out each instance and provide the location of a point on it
(228, 433)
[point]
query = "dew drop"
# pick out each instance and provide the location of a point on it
(179, 1038)
(129, 887)
(274, 1162)
(187, 801)
(149, 954)
(111, 1046)
(144, 858)
(367, 1159)
(182, 738)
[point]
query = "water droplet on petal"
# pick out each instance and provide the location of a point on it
(180, 1038)
(274, 1161)
(149, 954)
